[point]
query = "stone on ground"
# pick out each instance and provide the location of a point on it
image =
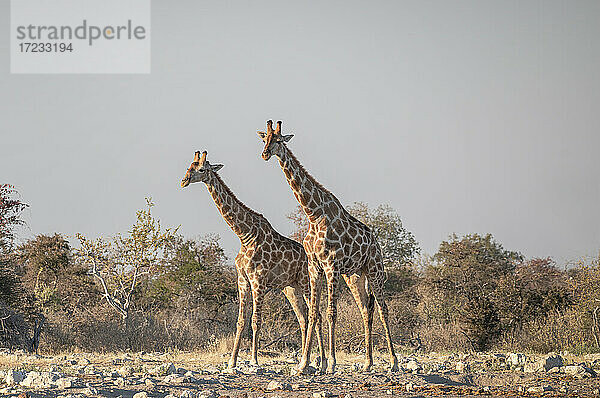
(277, 385)
(413, 366)
(208, 394)
(578, 371)
(516, 359)
(552, 361)
(538, 389)
(14, 377)
(40, 379)
(163, 369)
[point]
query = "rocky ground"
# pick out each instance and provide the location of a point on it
(190, 375)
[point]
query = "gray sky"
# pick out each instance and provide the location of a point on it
(464, 116)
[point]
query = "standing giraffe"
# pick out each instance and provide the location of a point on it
(266, 259)
(336, 244)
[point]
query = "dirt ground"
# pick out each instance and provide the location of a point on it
(196, 375)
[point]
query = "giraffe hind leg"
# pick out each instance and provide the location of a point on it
(294, 296)
(365, 303)
(257, 305)
(243, 294)
(319, 330)
(314, 315)
(376, 285)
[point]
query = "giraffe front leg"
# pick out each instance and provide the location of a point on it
(243, 292)
(332, 291)
(313, 308)
(257, 301)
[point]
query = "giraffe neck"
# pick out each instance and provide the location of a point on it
(242, 220)
(310, 194)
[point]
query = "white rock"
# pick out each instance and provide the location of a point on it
(578, 371)
(409, 387)
(40, 379)
(163, 369)
(232, 371)
(532, 367)
(66, 382)
(516, 359)
(149, 383)
(277, 385)
(208, 394)
(321, 394)
(187, 394)
(413, 366)
(125, 371)
(174, 378)
(141, 394)
(557, 369)
(539, 389)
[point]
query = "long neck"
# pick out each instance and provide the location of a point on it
(308, 192)
(241, 219)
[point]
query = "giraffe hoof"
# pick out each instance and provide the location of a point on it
(367, 367)
(323, 367)
(394, 368)
(330, 369)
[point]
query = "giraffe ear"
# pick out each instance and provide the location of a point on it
(286, 138)
(262, 135)
(216, 167)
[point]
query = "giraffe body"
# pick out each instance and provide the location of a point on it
(266, 259)
(337, 244)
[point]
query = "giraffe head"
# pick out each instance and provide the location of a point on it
(199, 170)
(274, 141)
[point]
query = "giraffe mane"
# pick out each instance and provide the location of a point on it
(313, 179)
(235, 198)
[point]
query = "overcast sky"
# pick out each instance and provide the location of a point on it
(464, 116)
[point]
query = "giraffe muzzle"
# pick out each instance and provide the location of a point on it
(266, 155)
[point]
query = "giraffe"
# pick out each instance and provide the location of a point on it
(336, 244)
(266, 259)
